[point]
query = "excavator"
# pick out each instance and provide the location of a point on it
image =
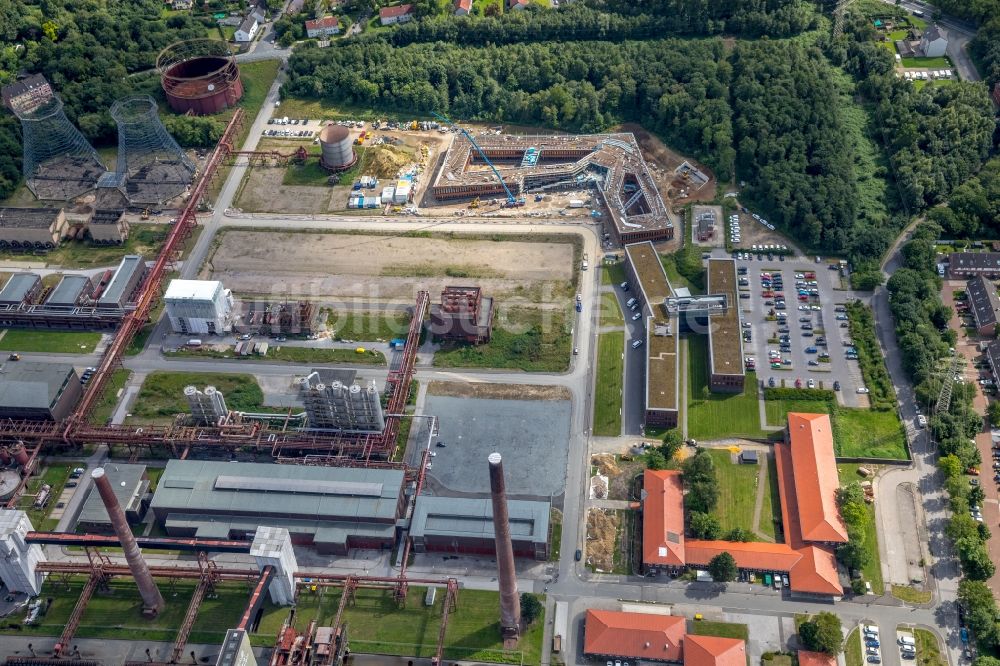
(475, 203)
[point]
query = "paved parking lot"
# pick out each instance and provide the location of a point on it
(818, 311)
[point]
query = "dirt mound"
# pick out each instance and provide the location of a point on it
(606, 464)
(386, 161)
(602, 528)
(498, 391)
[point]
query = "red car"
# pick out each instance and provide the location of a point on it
(798, 383)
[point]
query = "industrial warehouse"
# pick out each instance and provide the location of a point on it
(669, 312)
(76, 302)
(333, 509)
(610, 163)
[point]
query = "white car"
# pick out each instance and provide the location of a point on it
(921, 421)
(862, 389)
(811, 383)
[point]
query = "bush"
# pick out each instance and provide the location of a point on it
(862, 326)
(822, 633)
(723, 568)
(531, 607)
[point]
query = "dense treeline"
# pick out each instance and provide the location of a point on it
(747, 17)
(985, 48)
(973, 10)
(973, 211)
(676, 88)
(609, 21)
(935, 138)
(938, 135)
(791, 147)
(87, 50)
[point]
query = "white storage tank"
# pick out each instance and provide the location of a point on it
(337, 150)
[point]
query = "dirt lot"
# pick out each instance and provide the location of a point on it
(264, 191)
(498, 391)
(662, 162)
(753, 233)
(388, 268)
(602, 529)
(619, 472)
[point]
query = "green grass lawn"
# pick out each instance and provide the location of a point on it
(611, 311)
(940, 82)
(928, 649)
(54, 475)
(737, 491)
(310, 173)
(117, 612)
(717, 415)
(870, 434)
(608, 391)
(777, 410)
(722, 629)
(105, 405)
(848, 473)
(292, 355)
(367, 326)
(377, 625)
(613, 274)
(852, 649)
(53, 342)
(162, 394)
(523, 339)
(911, 594)
(770, 515)
(941, 62)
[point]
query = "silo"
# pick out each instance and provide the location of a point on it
(337, 148)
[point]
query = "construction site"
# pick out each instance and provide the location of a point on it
(339, 461)
(512, 166)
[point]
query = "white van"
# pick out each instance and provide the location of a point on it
(906, 640)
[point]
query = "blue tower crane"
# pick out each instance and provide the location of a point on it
(511, 199)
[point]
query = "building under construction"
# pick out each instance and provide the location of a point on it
(296, 318)
(464, 315)
(335, 401)
(611, 164)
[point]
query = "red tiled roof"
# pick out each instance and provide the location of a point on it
(816, 572)
(322, 23)
(807, 658)
(663, 518)
(714, 651)
(753, 555)
(464, 4)
(397, 10)
(816, 482)
(636, 635)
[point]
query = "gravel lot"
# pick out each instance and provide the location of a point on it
(531, 435)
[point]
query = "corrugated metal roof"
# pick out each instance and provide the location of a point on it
(463, 517)
(17, 287)
(134, 488)
(191, 486)
(119, 282)
(34, 385)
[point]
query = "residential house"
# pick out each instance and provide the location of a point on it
(517, 4)
(395, 14)
(933, 43)
(984, 303)
(247, 30)
(322, 27)
(463, 7)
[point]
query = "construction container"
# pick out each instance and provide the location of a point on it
(576, 203)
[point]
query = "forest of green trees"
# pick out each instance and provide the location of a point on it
(87, 50)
